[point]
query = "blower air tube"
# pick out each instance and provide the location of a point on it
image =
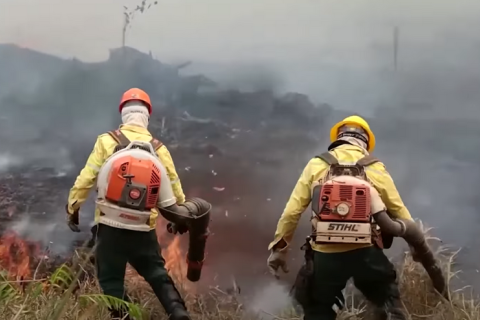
(198, 234)
(413, 235)
(194, 214)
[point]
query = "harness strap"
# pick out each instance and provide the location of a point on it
(328, 158)
(123, 141)
(119, 137)
(156, 144)
(367, 161)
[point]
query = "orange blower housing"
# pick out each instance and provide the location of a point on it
(342, 202)
(133, 183)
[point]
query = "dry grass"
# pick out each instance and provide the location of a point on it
(419, 298)
(64, 296)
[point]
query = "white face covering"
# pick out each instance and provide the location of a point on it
(352, 140)
(135, 113)
(355, 142)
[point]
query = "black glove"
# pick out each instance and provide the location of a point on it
(72, 220)
(176, 228)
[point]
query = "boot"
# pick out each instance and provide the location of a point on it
(172, 302)
(179, 313)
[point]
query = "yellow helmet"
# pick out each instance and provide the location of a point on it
(355, 120)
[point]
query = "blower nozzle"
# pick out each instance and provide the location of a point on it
(192, 216)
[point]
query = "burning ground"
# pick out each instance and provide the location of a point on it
(243, 151)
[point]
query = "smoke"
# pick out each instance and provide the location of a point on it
(424, 113)
(51, 235)
(269, 301)
(7, 161)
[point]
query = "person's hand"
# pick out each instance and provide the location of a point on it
(72, 220)
(276, 261)
(175, 228)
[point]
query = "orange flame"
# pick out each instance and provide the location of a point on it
(15, 255)
(174, 255)
(171, 249)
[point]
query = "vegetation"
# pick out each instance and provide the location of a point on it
(71, 292)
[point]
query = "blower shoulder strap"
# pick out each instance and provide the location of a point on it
(123, 141)
(157, 144)
(367, 161)
(119, 137)
(328, 158)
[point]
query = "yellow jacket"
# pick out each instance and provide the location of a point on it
(104, 147)
(317, 169)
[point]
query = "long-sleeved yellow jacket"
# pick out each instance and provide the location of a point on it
(104, 147)
(317, 169)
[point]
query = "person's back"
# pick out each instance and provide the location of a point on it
(133, 132)
(119, 240)
(337, 256)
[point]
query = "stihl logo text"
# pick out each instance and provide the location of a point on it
(343, 227)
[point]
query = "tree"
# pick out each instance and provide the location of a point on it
(129, 15)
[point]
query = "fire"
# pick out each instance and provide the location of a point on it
(174, 255)
(174, 259)
(171, 249)
(15, 255)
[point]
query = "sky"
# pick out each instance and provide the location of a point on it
(340, 52)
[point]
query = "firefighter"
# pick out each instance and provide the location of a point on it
(116, 246)
(334, 264)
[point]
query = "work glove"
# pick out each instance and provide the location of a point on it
(72, 220)
(175, 228)
(277, 260)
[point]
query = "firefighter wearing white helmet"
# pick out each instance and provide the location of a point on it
(338, 250)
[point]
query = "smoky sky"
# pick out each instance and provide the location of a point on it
(335, 51)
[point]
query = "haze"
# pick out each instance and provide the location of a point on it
(339, 52)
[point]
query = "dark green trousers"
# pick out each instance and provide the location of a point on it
(116, 247)
(373, 274)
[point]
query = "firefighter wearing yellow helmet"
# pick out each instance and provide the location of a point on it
(333, 256)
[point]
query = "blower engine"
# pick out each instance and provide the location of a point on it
(342, 211)
(129, 185)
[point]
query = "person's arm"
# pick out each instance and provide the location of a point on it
(86, 179)
(167, 161)
(184, 216)
(166, 196)
(296, 205)
(383, 182)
